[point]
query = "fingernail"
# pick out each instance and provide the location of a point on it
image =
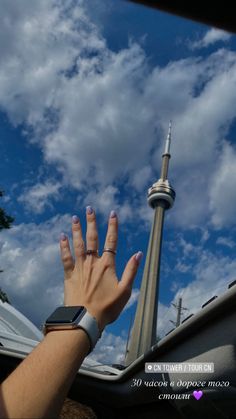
(139, 256)
(113, 214)
(63, 236)
(89, 210)
(75, 219)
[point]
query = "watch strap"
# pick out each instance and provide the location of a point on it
(89, 324)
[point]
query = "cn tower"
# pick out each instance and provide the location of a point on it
(161, 197)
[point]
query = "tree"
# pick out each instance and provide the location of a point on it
(5, 222)
(5, 219)
(4, 297)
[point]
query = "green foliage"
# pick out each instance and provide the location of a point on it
(5, 219)
(5, 222)
(4, 297)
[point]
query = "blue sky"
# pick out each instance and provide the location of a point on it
(87, 92)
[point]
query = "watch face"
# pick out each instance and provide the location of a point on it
(65, 315)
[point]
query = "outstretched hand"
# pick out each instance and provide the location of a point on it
(90, 280)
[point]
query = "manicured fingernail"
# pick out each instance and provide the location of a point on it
(139, 256)
(63, 236)
(113, 214)
(75, 219)
(89, 210)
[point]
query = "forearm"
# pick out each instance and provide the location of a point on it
(38, 387)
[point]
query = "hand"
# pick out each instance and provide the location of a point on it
(90, 280)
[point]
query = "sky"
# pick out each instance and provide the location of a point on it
(87, 89)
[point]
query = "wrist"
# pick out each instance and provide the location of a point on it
(70, 318)
(76, 338)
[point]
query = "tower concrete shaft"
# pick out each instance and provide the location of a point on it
(160, 197)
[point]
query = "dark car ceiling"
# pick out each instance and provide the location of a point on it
(219, 14)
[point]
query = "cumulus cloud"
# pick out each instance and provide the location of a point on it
(211, 276)
(226, 241)
(107, 199)
(205, 236)
(188, 248)
(133, 298)
(165, 315)
(33, 274)
(100, 116)
(222, 192)
(39, 196)
(183, 267)
(141, 178)
(110, 349)
(205, 273)
(212, 36)
(42, 42)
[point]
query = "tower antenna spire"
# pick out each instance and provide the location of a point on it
(166, 155)
(168, 139)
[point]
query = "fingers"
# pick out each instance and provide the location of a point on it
(66, 256)
(129, 273)
(111, 237)
(78, 243)
(91, 234)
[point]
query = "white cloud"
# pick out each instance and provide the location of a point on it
(107, 199)
(165, 315)
(175, 285)
(111, 146)
(37, 197)
(196, 154)
(222, 191)
(133, 298)
(33, 273)
(226, 241)
(102, 200)
(205, 236)
(211, 37)
(209, 274)
(101, 116)
(110, 349)
(42, 42)
(141, 177)
(183, 267)
(189, 249)
(212, 274)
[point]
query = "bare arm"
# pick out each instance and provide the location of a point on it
(38, 387)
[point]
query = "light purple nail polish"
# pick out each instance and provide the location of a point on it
(89, 210)
(75, 219)
(62, 236)
(113, 214)
(139, 256)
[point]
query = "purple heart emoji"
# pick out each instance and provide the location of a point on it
(197, 394)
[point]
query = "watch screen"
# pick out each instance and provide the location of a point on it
(65, 314)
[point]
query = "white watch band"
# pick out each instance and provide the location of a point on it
(89, 324)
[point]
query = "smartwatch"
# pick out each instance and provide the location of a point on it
(73, 317)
